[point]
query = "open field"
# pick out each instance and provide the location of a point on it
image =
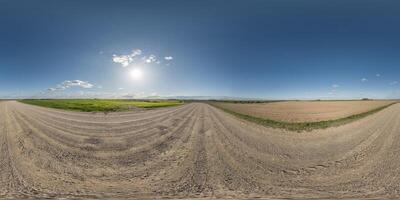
(304, 111)
(303, 116)
(193, 150)
(101, 105)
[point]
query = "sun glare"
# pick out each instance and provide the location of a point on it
(136, 74)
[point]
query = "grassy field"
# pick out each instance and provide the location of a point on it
(302, 126)
(100, 105)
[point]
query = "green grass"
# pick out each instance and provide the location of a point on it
(100, 105)
(303, 126)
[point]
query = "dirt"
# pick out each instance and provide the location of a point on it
(192, 151)
(304, 111)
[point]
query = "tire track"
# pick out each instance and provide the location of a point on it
(192, 151)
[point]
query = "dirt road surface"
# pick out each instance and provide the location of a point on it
(191, 151)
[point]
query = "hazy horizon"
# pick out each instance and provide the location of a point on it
(259, 49)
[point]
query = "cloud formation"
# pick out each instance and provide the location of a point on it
(125, 60)
(394, 83)
(150, 59)
(78, 83)
(364, 80)
(73, 83)
(378, 75)
(168, 58)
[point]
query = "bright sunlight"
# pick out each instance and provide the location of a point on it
(136, 74)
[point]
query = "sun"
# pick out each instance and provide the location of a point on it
(136, 74)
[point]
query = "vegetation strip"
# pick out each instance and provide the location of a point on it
(303, 126)
(100, 105)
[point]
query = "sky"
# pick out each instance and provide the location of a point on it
(268, 49)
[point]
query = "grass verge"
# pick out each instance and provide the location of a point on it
(303, 126)
(100, 105)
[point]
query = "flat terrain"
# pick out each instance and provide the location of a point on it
(193, 150)
(304, 111)
(101, 105)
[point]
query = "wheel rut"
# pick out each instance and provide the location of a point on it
(192, 151)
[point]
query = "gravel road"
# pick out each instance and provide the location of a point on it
(192, 151)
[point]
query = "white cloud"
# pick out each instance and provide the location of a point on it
(125, 60)
(136, 52)
(137, 57)
(394, 83)
(74, 83)
(150, 59)
(364, 80)
(120, 88)
(78, 83)
(335, 85)
(378, 75)
(60, 87)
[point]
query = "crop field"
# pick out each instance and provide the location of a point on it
(101, 105)
(191, 151)
(304, 111)
(303, 115)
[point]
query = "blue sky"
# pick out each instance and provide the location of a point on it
(257, 49)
